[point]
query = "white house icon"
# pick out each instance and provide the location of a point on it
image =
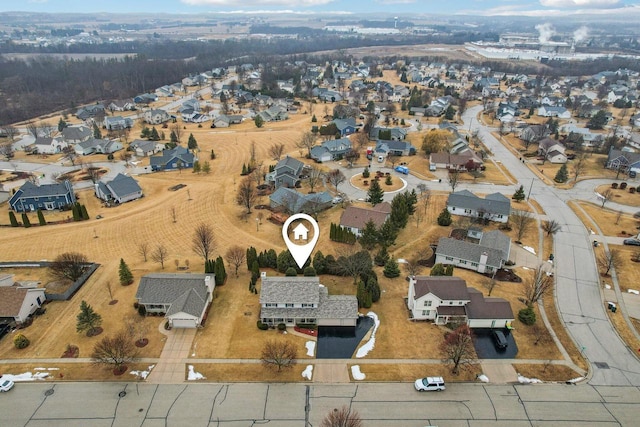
(300, 232)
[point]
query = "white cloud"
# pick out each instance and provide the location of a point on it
(395, 1)
(584, 4)
(260, 3)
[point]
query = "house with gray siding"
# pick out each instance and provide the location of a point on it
(494, 207)
(487, 255)
(291, 201)
(303, 300)
(286, 173)
(332, 149)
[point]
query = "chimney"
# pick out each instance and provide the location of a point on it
(209, 284)
(482, 265)
(263, 274)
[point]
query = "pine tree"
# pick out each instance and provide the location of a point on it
(196, 167)
(373, 289)
(244, 170)
(206, 168)
(403, 77)
(153, 135)
(83, 212)
(448, 271)
(87, 320)
(437, 270)
(562, 175)
(391, 269)
(519, 195)
(212, 155)
(375, 193)
(361, 294)
(220, 272)
(209, 266)
(444, 219)
(12, 219)
(252, 255)
(388, 180)
(126, 278)
(97, 134)
(381, 257)
(75, 210)
(366, 173)
(41, 219)
(173, 138)
(192, 144)
(25, 221)
(319, 263)
(369, 235)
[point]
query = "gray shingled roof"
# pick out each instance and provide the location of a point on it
(497, 240)
(329, 306)
(186, 291)
(290, 290)
(444, 287)
(495, 203)
(29, 189)
(123, 185)
(468, 251)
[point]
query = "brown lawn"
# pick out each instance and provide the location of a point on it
(76, 371)
(248, 372)
(410, 372)
(546, 372)
(610, 222)
(358, 181)
(624, 197)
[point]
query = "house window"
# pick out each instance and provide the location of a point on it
(450, 302)
(427, 303)
(288, 305)
(499, 216)
(305, 305)
(426, 312)
(463, 261)
(453, 208)
(474, 264)
(459, 302)
(448, 258)
(289, 321)
(270, 305)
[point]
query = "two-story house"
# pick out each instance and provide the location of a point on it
(174, 159)
(303, 300)
(156, 117)
(494, 207)
(331, 150)
(286, 173)
(31, 197)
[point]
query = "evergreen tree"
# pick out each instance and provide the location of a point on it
(319, 263)
(391, 269)
(375, 193)
(314, 119)
(399, 210)
(153, 135)
(373, 289)
(126, 278)
(369, 235)
(448, 270)
(41, 219)
(258, 120)
(244, 170)
(366, 173)
(97, 134)
(220, 272)
(309, 272)
(388, 233)
(173, 138)
(252, 255)
(450, 113)
(291, 272)
(285, 260)
(61, 124)
(519, 195)
(212, 155)
(255, 271)
(25, 220)
(438, 270)
(12, 219)
(145, 132)
(192, 144)
(209, 266)
(196, 167)
(388, 180)
(444, 219)
(272, 259)
(75, 211)
(361, 294)
(87, 320)
(83, 213)
(206, 168)
(562, 175)
(403, 77)
(381, 257)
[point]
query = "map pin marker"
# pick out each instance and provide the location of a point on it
(300, 253)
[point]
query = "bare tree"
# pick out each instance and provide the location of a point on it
(536, 288)
(336, 177)
(235, 256)
(606, 196)
(6, 150)
(454, 177)
(115, 351)
(125, 156)
(203, 241)
(522, 222)
(68, 265)
(109, 289)
(360, 139)
(10, 132)
(32, 129)
(412, 266)
(258, 174)
(143, 250)
(579, 165)
(137, 329)
(343, 417)
(307, 141)
(247, 194)
(314, 178)
(351, 157)
(551, 227)
(458, 349)
(160, 255)
(540, 334)
(93, 173)
(275, 151)
(45, 130)
(609, 260)
(393, 158)
(352, 263)
(489, 285)
(177, 131)
(418, 216)
(279, 354)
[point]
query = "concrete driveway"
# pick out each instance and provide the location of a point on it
(170, 369)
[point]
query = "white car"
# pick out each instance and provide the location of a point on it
(6, 385)
(430, 384)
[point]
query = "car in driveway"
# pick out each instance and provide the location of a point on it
(499, 340)
(6, 385)
(631, 242)
(430, 384)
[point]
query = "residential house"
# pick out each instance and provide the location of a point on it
(624, 161)
(76, 134)
(117, 122)
(48, 145)
(122, 105)
(395, 134)
(97, 146)
(459, 162)
(588, 138)
(444, 300)
(286, 172)
(31, 197)
(534, 133)
(145, 98)
(552, 151)
(223, 120)
(182, 298)
(635, 120)
(331, 149)
(355, 218)
(274, 113)
(156, 116)
(18, 302)
(303, 300)
(195, 118)
(145, 148)
(90, 111)
(120, 189)
(345, 126)
(553, 111)
(484, 256)
(174, 159)
(494, 207)
(397, 148)
(291, 201)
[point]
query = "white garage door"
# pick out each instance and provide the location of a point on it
(183, 323)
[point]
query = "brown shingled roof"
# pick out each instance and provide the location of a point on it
(11, 299)
(487, 308)
(444, 287)
(357, 217)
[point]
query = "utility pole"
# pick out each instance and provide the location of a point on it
(530, 188)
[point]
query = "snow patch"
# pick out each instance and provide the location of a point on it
(193, 375)
(311, 348)
(357, 375)
(26, 376)
(308, 372)
(525, 380)
(529, 249)
(368, 346)
(46, 369)
(483, 378)
(607, 286)
(143, 374)
(401, 261)
(575, 380)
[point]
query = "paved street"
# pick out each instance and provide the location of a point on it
(295, 405)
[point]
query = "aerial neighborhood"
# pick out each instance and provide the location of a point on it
(452, 197)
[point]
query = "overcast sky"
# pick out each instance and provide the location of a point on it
(400, 7)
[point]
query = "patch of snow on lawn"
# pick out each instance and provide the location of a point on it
(357, 375)
(46, 369)
(308, 372)
(193, 375)
(27, 376)
(525, 380)
(368, 346)
(143, 374)
(483, 378)
(529, 249)
(575, 380)
(311, 348)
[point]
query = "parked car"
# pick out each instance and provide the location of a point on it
(336, 200)
(499, 339)
(430, 384)
(6, 385)
(631, 242)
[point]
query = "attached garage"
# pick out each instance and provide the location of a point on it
(183, 320)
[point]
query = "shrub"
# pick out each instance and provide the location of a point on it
(444, 219)
(614, 185)
(167, 326)
(20, 341)
(309, 272)
(262, 326)
(527, 316)
(282, 327)
(136, 305)
(142, 311)
(291, 272)
(623, 185)
(366, 173)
